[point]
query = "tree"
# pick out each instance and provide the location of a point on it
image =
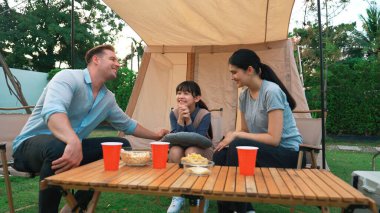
(122, 86)
(136, 48)
(370, 38)
(37, 36)
(353, 91)
(329, 9)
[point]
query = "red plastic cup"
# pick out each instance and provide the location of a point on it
(247, 159)
(111, 155)
(159, 154)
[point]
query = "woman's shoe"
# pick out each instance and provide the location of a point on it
(175, 206)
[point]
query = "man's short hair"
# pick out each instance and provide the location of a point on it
(97, 50)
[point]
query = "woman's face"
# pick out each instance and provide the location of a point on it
(186, 98)
(240, 76)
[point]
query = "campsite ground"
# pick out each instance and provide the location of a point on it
(341, 163)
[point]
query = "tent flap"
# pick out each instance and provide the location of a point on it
(206, 22)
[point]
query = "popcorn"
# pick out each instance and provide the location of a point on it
(135, 158)
(195, 159)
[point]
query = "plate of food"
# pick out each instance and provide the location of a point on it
(136, 157)
(196, 164)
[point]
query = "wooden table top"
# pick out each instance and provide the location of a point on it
(268, 185)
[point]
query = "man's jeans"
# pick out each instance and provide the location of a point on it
(36, 154)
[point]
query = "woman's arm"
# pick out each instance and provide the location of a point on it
(273, 137)
(244, 127)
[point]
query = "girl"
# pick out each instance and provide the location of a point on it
(191, 115)
(266, 119)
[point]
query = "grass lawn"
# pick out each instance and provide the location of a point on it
(25, 191)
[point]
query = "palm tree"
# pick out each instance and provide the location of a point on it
(370, 38)
(136, 47)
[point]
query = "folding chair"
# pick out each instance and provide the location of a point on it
(10, 127)
(311, 131)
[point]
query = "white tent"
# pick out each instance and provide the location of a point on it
(192, 40)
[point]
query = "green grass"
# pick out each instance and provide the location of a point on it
(25, 190)
(354, 142)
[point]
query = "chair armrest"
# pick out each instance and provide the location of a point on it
(308, 147)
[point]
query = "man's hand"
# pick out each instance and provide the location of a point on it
(161, 133)
(141, 132)
(71, 158)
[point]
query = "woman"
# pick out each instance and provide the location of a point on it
(267, 121)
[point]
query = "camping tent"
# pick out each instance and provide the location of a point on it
(192, 40)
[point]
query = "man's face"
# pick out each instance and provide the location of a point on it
(108, 64)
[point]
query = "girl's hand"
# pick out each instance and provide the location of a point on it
(226, 141)
(183, 115)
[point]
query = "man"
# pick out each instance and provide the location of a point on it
(73, 104)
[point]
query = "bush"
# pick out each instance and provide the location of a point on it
(122, 86)
(353, 97)
(52, 73)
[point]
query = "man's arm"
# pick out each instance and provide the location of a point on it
(60, 126)
(141, 132)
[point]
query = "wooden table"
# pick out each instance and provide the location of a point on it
(269, 185)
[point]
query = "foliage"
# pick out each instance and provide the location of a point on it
(52, 73)
(354, 97)
(37, 36)
(137, 47)
(329, 10)
(122, 86)
(370, 38)
(352, 72)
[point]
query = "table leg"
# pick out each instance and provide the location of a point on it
(193, 200)
(70, 199)
(325, 209)
(201, 205)
(92, 204)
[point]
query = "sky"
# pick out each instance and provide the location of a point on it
(349, 14)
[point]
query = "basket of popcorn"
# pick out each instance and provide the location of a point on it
(135, 157)
(195, 164)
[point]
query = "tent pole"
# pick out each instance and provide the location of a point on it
(72, 35)
(322, 87)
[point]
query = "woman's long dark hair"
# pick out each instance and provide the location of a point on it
(244, 58)
(195, 90)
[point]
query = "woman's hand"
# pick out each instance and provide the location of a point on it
(226, 141)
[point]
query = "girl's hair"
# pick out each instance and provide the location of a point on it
(244, 58)
(195, 90)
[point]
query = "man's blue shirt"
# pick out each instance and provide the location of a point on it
(70, 92)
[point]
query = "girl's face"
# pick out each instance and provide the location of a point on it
(240, 76)
(186, 98)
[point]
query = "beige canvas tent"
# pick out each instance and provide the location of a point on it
(193, 40)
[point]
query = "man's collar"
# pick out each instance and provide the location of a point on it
(87, 77)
